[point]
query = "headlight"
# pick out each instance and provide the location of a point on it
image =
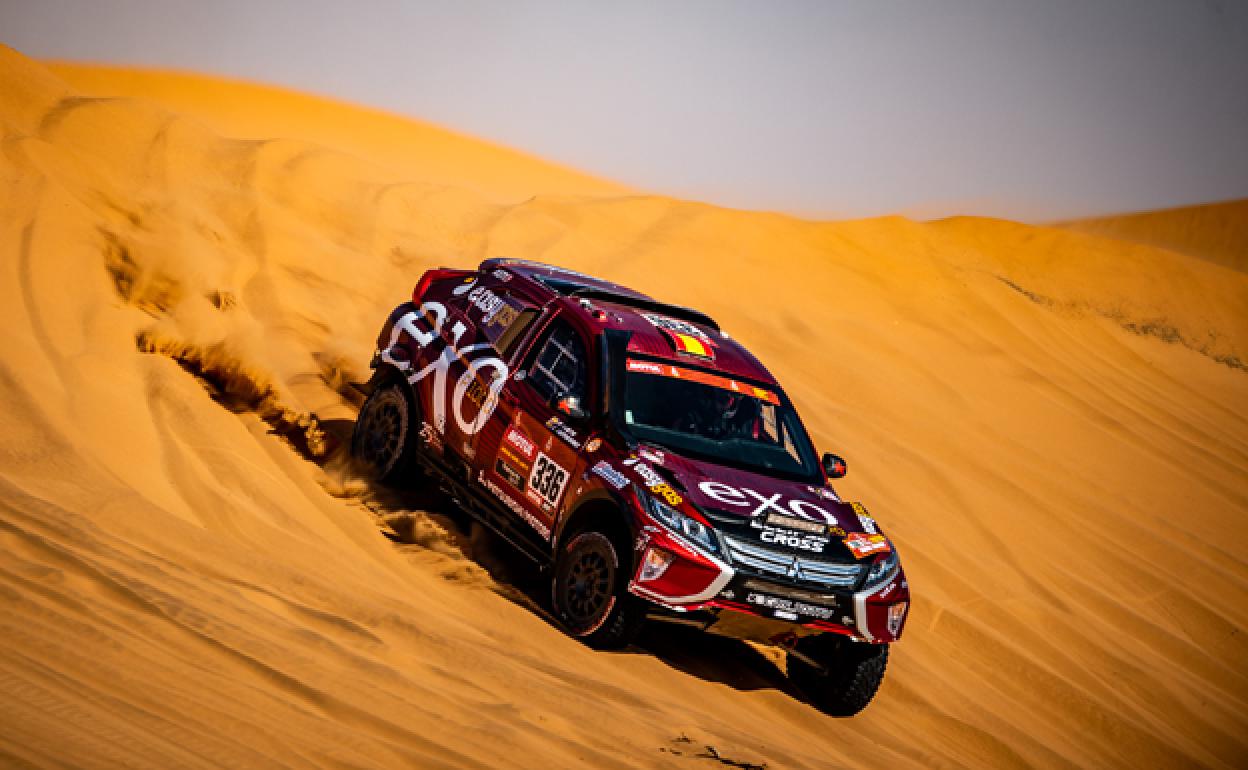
(678, 522)
(883, 569)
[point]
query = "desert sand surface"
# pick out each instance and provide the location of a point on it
(1052, 425)
(1215, 231)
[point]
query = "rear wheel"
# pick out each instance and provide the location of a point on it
(844, 674)
(384, 435)
(589, 592)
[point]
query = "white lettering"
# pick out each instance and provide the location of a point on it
(764, 502)
(723, 493)
(440, 366)
(730, 495)
(815, 512)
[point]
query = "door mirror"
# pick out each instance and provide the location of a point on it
(571, 406)
(834, 466)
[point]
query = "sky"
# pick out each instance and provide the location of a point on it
(1025, 109)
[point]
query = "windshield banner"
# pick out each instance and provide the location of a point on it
(702, 378)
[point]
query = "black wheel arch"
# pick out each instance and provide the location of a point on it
(603, 512)
(386, 373)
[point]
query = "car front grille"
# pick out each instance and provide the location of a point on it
(803, 569)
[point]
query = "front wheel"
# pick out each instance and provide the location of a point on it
(383, 436)
(846, 676)
(589, 592)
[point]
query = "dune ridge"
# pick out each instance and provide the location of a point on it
(408, 149)
(188, 583)
(1214, 231)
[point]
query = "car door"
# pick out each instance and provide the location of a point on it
(531, 451)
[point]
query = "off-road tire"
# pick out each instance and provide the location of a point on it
(385, 438)
(589, 592)
(851, 673)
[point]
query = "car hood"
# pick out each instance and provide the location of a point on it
(727, 491)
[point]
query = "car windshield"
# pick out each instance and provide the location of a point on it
(716, 418)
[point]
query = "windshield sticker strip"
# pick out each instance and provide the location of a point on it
(702, 378)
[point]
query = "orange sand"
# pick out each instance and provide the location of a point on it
(1215, 231)
(1051, 424)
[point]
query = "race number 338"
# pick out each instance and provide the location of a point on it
(547, 480)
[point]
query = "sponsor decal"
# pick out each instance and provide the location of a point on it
(513, 505)
(608, 472)
(425, 326)
(868, 523)
(477, 393)
(513, 457)
(861, 544)
(702, 378)
(782, 606)
(509, 474)
(487, 302)
(677, 327)
(506, 316)
(520, 442)
(502, 275)
(593, 445)
(740, 497)
(465, 286)
(824, 492)
(430, 436)
(649, 367)
(812, 543)
(546, 482)
(792, 522)
(564, 432)
(653, 455)
(654, 482)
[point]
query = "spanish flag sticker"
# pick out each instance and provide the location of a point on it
(687, 343)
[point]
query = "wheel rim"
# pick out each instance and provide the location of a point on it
(383, 429)
(587, 590)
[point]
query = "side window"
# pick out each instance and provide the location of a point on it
(514, 331)
(560, 366)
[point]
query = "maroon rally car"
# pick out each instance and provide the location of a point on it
(644, 457)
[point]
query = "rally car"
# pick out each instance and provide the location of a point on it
(643, 457)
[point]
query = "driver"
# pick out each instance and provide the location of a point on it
(721, 415)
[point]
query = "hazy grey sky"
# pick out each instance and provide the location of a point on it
(1030, 109)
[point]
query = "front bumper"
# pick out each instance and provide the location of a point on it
(695, 582)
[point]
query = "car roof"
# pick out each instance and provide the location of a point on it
(658, 329)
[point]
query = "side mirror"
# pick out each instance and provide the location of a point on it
(571, 406)
(834, 466)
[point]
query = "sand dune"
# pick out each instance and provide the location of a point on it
(408, 150)
(1215, 231)
(1051, 424)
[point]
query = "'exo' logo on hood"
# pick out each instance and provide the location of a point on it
(741, 496)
